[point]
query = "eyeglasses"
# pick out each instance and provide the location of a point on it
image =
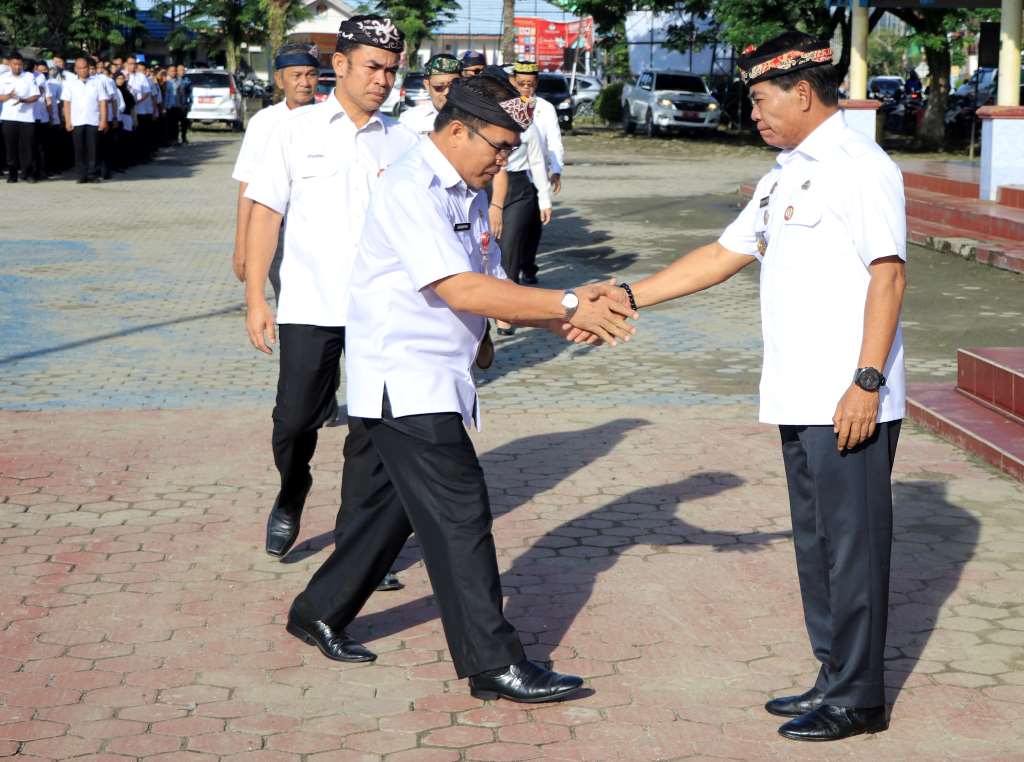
(503, 153)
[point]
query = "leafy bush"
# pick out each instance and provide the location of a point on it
(608, 105)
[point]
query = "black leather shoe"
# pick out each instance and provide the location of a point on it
(794, 706)
(334, 645)
(390, 582)
(526, 683)
(283, 523)
(530, 280)
(834, 723)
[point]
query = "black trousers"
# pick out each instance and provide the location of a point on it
(86, 140)
(146, 143)
(841, 507)
(105, 153)
(40, 159)
(19, 143)
(308, 378)
(418, 473)
(175, 116)
(521, 227)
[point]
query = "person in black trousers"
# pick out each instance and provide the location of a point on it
(85, 117)
(18, 100)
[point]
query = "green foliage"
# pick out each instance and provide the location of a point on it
(64, 25)
(608, 105)
(888, 53)
(417, 19)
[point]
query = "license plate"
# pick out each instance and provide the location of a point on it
(207, 99)
(693, 116)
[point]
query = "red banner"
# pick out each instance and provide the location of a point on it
(545, 41)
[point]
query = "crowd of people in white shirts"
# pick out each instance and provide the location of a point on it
(98, 116)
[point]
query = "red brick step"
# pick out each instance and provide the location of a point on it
(994, 376)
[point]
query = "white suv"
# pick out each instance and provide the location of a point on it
(215, 98)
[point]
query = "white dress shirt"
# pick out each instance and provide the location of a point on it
(529, 157)
(420, 119)
(53, 87)
(41, 111)
(85, 97)
(545, 118)
(138, 84)
(424, 224)
(318, 170)
(15, 109)
(828, 209)
(107, 86)
(254, 143)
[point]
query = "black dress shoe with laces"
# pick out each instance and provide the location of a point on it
(283, 523)
(333, 644)
(390, 582)
(794, 706)
(526, 683)
(834, 723)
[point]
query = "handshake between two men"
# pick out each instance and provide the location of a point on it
(593, 314)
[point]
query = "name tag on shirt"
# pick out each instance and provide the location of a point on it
(461, 227)
(764, 201)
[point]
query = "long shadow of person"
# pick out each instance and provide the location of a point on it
(565, 564)
(536, 471)
(934, 539)
(586, 547)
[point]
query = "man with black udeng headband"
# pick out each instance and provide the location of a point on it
(828, 226)
(425, 279)
(315, 176)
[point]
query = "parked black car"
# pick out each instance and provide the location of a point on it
(554, 88)
(414, 90)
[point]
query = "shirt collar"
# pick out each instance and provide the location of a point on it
(443, 169)
(821, 142)
(334, 110)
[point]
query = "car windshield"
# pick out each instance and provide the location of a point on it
(684, 82)
(887, 85)
(414, 82)
(552, 85)
(209, 79)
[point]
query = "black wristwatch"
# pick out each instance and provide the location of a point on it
(869, 379)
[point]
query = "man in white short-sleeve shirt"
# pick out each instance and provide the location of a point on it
(297, 68)
(426, 278)
(85, 117)
(439, 73)
(18, 94)
(318, 169)
(828, 226)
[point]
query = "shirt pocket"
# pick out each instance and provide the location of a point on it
(315, 167)
(802, 214)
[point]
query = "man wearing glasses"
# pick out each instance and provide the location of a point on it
(425, 279)
(441, 70)
(473, 62)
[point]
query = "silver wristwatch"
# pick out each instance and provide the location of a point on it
(569, 303)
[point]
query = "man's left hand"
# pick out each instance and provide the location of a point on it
(556, 183)
(855, 418)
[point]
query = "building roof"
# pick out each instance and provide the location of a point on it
(483, 17)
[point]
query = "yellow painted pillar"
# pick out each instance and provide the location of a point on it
(1009, 54)
(859, 50)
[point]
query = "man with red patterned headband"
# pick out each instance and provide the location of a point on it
(425, 280)
(827, 225)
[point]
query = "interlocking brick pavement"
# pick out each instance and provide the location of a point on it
(641, 516)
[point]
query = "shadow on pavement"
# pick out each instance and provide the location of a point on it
(576, 449)
(934, 540)
(172, 162)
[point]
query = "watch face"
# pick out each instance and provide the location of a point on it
(870, 379)
(570, 301)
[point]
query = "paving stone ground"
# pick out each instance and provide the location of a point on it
(641, 522)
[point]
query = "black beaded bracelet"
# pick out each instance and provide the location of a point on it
(629, 292)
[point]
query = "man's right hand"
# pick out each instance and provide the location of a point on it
(259, 321)
(238, 264)
(604, 318)
(69, 127)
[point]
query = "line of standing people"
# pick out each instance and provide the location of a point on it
(99, 116)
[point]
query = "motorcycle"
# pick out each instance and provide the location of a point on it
(903, 115)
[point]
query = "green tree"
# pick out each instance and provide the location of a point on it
(941, 33)
(888, 53)
(213, 21)
(92, 26)
(417, 19)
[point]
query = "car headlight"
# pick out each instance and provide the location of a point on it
(664, 102)
(567, 103)
(712, 107)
